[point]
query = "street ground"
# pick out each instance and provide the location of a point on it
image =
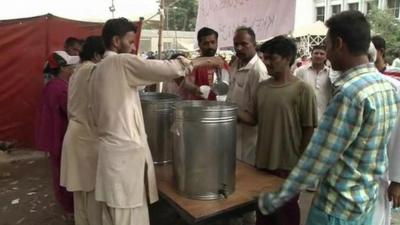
(26, 195)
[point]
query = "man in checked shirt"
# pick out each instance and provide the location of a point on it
(348, 150)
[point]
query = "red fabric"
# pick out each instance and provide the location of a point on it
(205, 76)
(392, 72)
(24, 47)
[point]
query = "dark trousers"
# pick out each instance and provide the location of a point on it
(288, 214)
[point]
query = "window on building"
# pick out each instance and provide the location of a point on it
(336, 9)
(353, 6)
(145, 45)
(394, 6)
(320, 14)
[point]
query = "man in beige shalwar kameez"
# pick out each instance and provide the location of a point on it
(125, 177)
(79, 157)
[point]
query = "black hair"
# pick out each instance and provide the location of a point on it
(353, 28)
(82, 41)
(204, 32)
(281, 45)
(71, 41)
(320, 47)
(92, 45)
(249, 30)
(116, 27)
(379, 43)
(258, 48)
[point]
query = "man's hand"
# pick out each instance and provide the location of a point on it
(246, 117)
(394, 194)
(268, 203)
(215, 61)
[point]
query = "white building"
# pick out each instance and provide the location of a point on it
(171, 40)
(309, 11)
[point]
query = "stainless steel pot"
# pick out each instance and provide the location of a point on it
(204, 149)
(158, 119)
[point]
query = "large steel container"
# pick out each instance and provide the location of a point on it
(204, 149)
(158, 119)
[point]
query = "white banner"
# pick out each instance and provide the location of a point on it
(268, 18)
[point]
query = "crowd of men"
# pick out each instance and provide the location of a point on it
(329, 125)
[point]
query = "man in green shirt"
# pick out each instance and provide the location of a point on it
(286, 115)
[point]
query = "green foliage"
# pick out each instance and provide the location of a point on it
(385, 24)
(180, 14)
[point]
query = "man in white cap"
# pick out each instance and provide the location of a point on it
(72, 47)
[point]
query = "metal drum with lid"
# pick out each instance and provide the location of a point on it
(204, 158)
(158, 118)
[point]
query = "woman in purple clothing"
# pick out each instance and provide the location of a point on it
(52, 119)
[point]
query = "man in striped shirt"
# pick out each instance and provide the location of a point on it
(348, 150)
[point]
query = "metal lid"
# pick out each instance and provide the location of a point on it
(158, 97)
(201, 105)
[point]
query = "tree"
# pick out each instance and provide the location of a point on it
(180, 14)
(385, 24)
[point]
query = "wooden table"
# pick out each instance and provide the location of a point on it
(250, 182)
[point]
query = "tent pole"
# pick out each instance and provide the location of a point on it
(141, 21)
(161, 28)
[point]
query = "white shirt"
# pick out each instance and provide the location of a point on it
(394, 142)
(244, 82)
(320, 82)
(125, 167)
(79, 156)
(382, 205)
(242, 91)
(396, 62)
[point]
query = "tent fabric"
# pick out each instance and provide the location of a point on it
(316, 29)
(24, 47)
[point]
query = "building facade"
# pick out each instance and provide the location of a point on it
(307, 12)
(310, 11)
(183, 40)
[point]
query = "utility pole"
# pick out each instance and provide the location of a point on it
(160, 31)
